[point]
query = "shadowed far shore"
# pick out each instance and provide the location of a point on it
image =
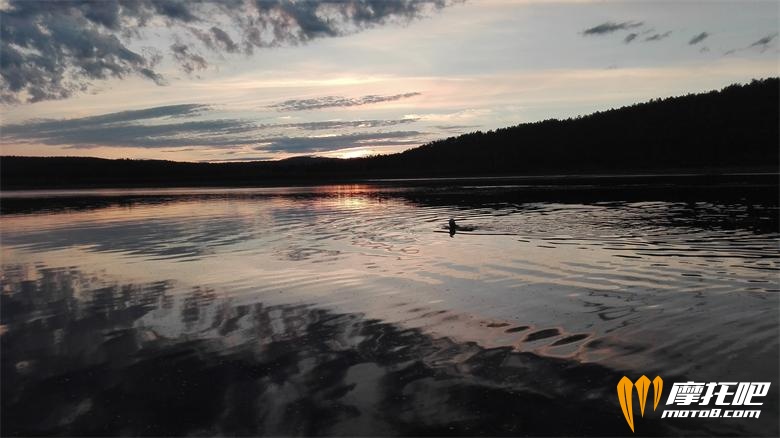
(467, 192)
(734, 130)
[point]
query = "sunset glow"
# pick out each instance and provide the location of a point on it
(433, 71)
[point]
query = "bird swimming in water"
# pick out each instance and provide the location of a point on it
(454, 227)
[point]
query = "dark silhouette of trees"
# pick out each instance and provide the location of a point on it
(737, 126)
(734, 128)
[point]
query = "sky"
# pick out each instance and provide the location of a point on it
(245, 80)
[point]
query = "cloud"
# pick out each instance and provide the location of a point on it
(170, 126)
(658, 36)
(468, 115)
(314, 126)
(698, 38)
(764, 43)
(609, 27)
(223, 40)
(52, 49)
(335, 142)
(191, 125)
(336, 101)
(188, 61)
(160, 112)
(456, 128)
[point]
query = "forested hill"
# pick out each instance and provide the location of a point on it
(739, 125)
(734, 128)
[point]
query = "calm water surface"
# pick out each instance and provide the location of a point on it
(350, 310)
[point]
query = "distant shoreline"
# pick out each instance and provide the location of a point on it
(560, 180)
(740, 187)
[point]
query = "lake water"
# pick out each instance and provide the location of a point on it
(351, 310)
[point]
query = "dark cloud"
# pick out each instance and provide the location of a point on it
(188, 61)
(336, 101)
(223, 40)
(630, 37)
(170, 127)
(456, 128)
(314, 126)
(698, 38)
(609, 27)
(189, 125)
(658, 36)
(330, 143)
(160, 112)
(215, 39)
(764, 42)
(51, 49)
